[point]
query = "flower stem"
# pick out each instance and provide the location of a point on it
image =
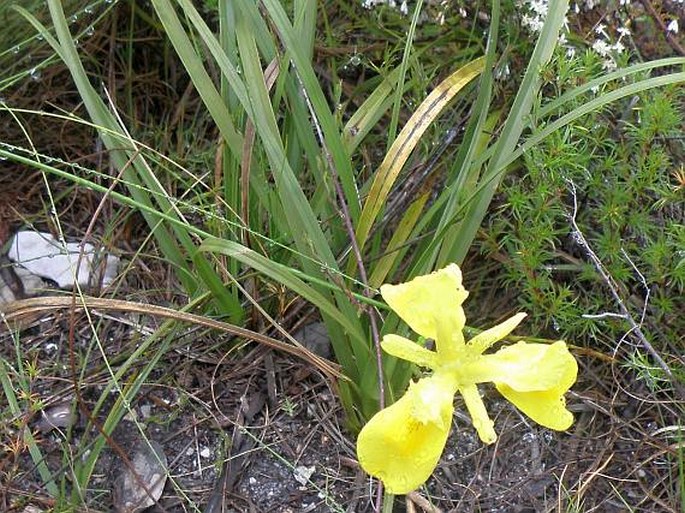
(388, 501)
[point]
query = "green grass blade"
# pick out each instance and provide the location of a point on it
(558, 103)
(144, 186)
(369, 113)
(465, 176)
(305, 72)
(304, 226)
(563, 121)
(402, 70)
(620, 74)
(396, 247)
(594, 104)
(198, 74)
(221, 55)
(284, 275)
(516, 121)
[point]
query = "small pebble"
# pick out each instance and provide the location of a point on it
(56, 417)
(302, 474)
(145, 411)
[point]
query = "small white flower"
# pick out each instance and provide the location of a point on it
(609, 65)
(601, 47)
(673, 26)
(623, 31)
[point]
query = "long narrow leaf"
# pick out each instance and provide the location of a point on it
(198, 74)
(326, 119)
(461, 185)
(399, 237)
(136, 171)
(408, 138)
(284, 275)
(516, 121)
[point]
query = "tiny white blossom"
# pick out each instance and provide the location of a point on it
(673, 26)
(601, 47)
(623, 31)
(370, 4)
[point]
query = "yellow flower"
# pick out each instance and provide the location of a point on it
(401, 445)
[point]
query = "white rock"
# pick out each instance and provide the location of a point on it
(302, 474)
(43, 255)
(146, 410)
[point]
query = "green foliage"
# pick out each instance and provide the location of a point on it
(623, 163)
(242, 186)
(284, 197)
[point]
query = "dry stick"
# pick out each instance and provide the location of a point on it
(355, 246)
(27, 307)
(347, 220)
(669, 36)
(625, 314)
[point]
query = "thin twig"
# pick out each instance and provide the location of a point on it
(670, 37)
(17, 310)
(347, 220)
(624, 312)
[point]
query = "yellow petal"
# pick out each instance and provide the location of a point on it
(410, 351)
(484, 340)
(428, 300)
(479, 415)
(401, 445)
(525, 367)
(547, 408)
(537, 389)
